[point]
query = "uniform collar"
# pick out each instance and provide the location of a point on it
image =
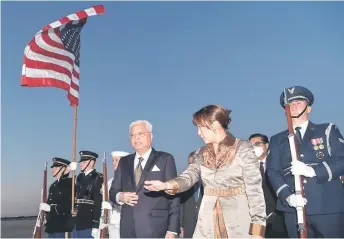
(89, 171)
(303, 125)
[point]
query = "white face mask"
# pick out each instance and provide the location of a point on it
(258, 151)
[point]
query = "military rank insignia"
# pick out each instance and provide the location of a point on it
(102, 189)
(317, 143)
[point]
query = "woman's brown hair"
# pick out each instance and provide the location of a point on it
(210, 113)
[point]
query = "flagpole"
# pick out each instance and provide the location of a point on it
(73, 159)
(74, 155)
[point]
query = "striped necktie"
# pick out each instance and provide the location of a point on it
(138, 171)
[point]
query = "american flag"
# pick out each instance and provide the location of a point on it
(52, 57)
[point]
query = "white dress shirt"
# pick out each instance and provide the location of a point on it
(303, 128)
(145, 157)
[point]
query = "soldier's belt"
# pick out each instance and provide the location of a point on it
(84, 201)
(224, 192)
(287, 170)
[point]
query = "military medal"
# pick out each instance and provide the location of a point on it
(320, 155)
(317, 143)
(321, 141)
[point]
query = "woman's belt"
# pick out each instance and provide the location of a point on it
(224, 192)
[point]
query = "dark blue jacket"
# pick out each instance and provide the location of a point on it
(325, 191)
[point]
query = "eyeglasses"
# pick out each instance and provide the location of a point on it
(140, 134)
(258, 143)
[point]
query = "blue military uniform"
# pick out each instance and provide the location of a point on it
(322, 148)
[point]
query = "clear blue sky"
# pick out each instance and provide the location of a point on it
(162, 61)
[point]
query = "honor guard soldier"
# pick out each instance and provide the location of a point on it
(88, 201)
(320, 165)
(58, 206)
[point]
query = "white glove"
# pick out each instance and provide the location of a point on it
(44, 207)
(300, 168)
(102, 226)
(296, 201)
(72, 166)
(95, 233)
(106, 205)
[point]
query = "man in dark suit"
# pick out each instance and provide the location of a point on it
(190, 202)
(145, 214)
(275, 227)
(320, 165)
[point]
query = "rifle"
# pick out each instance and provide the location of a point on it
(301, 214)
(103, 232)
(37, 233)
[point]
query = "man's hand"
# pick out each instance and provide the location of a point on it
(95, 233)
(155, 185)
(106, 205)
(44, 207)
(299, 168)
(170, 235)
(72, 166)
(102, 226)
(128, 198)
(296, 201)
(181, 232)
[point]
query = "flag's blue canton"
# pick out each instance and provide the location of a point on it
(70, 37)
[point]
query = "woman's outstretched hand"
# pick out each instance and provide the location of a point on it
(155, 185)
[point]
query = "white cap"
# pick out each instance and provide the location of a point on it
(119, 153)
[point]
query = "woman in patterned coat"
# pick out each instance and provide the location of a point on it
(233, 204)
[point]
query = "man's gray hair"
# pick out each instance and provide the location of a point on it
(145, 122)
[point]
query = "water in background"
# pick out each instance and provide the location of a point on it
(19, 229)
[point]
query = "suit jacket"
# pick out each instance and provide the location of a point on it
(189, 210)
(322, 148)
(269, 194)
(156, 212)
(275, 227)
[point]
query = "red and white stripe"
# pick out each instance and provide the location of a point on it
(48, 64)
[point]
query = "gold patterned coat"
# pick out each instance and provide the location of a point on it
(233, 204)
